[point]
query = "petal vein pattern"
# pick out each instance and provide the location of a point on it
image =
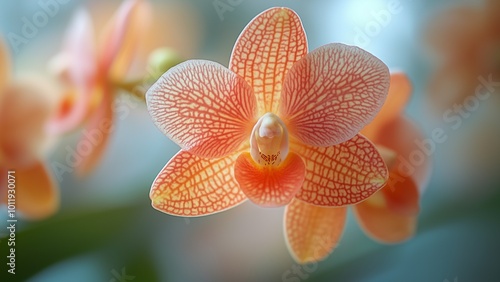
(266, 49)
(332, 93)
(204, 107)
(341, 175)
(192, 186)
(312, 232)
(269, 186)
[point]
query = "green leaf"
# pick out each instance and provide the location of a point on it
(63, 236)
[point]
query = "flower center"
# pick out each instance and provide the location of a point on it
(269, 141)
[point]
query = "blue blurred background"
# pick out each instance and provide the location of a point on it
(106, 227)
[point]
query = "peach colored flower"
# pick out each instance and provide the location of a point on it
(24, 112)
(90, 73)
(466, 40)
(278, 124)
(389, 215)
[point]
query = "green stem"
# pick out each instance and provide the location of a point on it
(135, 87)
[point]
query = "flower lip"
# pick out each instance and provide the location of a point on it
(269, 140)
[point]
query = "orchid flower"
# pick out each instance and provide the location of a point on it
(24, 112)
(279, 124)
(389, 215)
(90, 74)
(467, 41)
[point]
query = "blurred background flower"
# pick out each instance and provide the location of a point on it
(93, 75)
(391, 215)
(465, 40)
(106, 230)
(25, 109)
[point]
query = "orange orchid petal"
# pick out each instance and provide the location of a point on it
(390, 215)
(312, 232)
(192, 186)
(79, 49)
(72, 109)
(332, 93)
(389, 156)
(270, 186)
(266, 49)
(37, 195)
(124, 35)
(399, 94)
(385, 227)
(4, 64)
(413, 150)
(81, 68)
(343, 174)
(401, 194)
(204, 107)
(24, 110)
(66, 104)
(96, 133)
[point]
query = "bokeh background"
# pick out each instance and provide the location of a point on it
(106, 226)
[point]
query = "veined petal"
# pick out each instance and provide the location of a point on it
(97, 131)
(5, 68)
(123, 36)
(413, 149)
(204, 107)
(343, 174)
(332, 93)
(37, 195)
(312, 232)
(390, 215)
(399, 94)
(192, 186)
(270, 186)
(266, 49)
(401, 194)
